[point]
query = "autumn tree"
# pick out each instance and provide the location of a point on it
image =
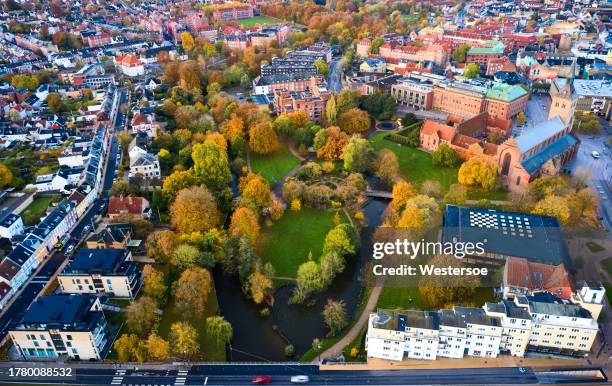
(402, 192)
(347, 100)
(583, 206)
(233, 128)
(184, 338)
(154, 282)
(477, 171)
(322, 67)
(216, 138)
(157, 347)
(6, 176)
(254, 192)
(140, 315)
(330, 142)
(176, 182)
(191, 290)
(160, 244)
(334, 315)
(219, 329)
(259, 286)
(54, 102)
(554, 206)
(189, 75)
(186, 41)
(245, 222)
(357, 154)
(354, 121)
(210, 164)
(298, 117)
(436, 291)
(457, 195)
(431, 188)
(520, 118)
(263, 139)
(194, 210)
(129, 348)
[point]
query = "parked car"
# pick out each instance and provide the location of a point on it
(70, 248)
(261, 380)
(595, 154)
(300, 379)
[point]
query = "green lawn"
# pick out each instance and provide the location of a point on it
(288, 241)
(594, 247)
(410, 298)
(607, 265)
(209, 350)
(415, 164)
(253, 21)
(274, 166)
(32, 214)
(477, 193)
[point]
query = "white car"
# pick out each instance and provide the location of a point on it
(300, 379)
(595, 154)
(70, 248)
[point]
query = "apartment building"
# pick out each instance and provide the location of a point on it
(312, 102)
(264, 85)
(232, 11)
(595, 96)
(101, 271)
(11, 225)
(55, 326)
(490, 51)
(538, 323)
(115, 235)
(413, 92)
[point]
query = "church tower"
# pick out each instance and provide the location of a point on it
(564, 100)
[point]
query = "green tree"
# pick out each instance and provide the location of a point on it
(445, 156)
(154, 282)
(331, 113)
(460, 53)
(354, 121)
(219, 329)
(322, 67)
(211, 165)
(457, 194)
(375, 46)
(308, 279)
(346, 100)
(185, 256)
(357, 154)
(471, 70)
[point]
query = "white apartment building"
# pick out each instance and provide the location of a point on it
(542, 322)
(62, 325)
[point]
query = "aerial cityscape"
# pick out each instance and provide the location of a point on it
(347, 192)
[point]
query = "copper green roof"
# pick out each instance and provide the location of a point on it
(505, 92)
(495, 47)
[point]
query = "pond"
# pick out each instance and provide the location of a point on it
(387, 125)
(255, 338)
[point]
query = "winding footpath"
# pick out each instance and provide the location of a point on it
(338, 347)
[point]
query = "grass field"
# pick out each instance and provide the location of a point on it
(253, 21)
(274, 166)
(209, 350)
(607, 265)
(415, 165)
(410, 298)
(37, 209)
(288, 241)
(594, 247)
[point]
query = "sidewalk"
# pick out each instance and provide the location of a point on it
(338, 347)
(467, 362)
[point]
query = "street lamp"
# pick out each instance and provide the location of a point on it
(319, 351)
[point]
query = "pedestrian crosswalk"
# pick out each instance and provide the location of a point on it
(118, 378)
(181, 378)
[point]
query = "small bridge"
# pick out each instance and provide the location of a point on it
(377, 194)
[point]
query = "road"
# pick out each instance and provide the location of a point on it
(23, 299)
(601, 170)
(334, 80)
(242, 374)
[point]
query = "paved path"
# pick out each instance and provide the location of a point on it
(338, 347)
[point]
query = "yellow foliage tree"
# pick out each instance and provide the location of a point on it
(157, 347)
(554, 206)
(194, 210)
(263, 139)
(259, 285)
(191, 290)
(186, 41)
(245, 222)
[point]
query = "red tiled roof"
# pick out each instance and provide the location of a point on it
(535, 276)
(8, 269)
(127, 205)
(445, 132)
(4, 290)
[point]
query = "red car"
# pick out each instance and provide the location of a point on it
(261, 380)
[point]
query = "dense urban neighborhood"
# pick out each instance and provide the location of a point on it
(328, 192)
